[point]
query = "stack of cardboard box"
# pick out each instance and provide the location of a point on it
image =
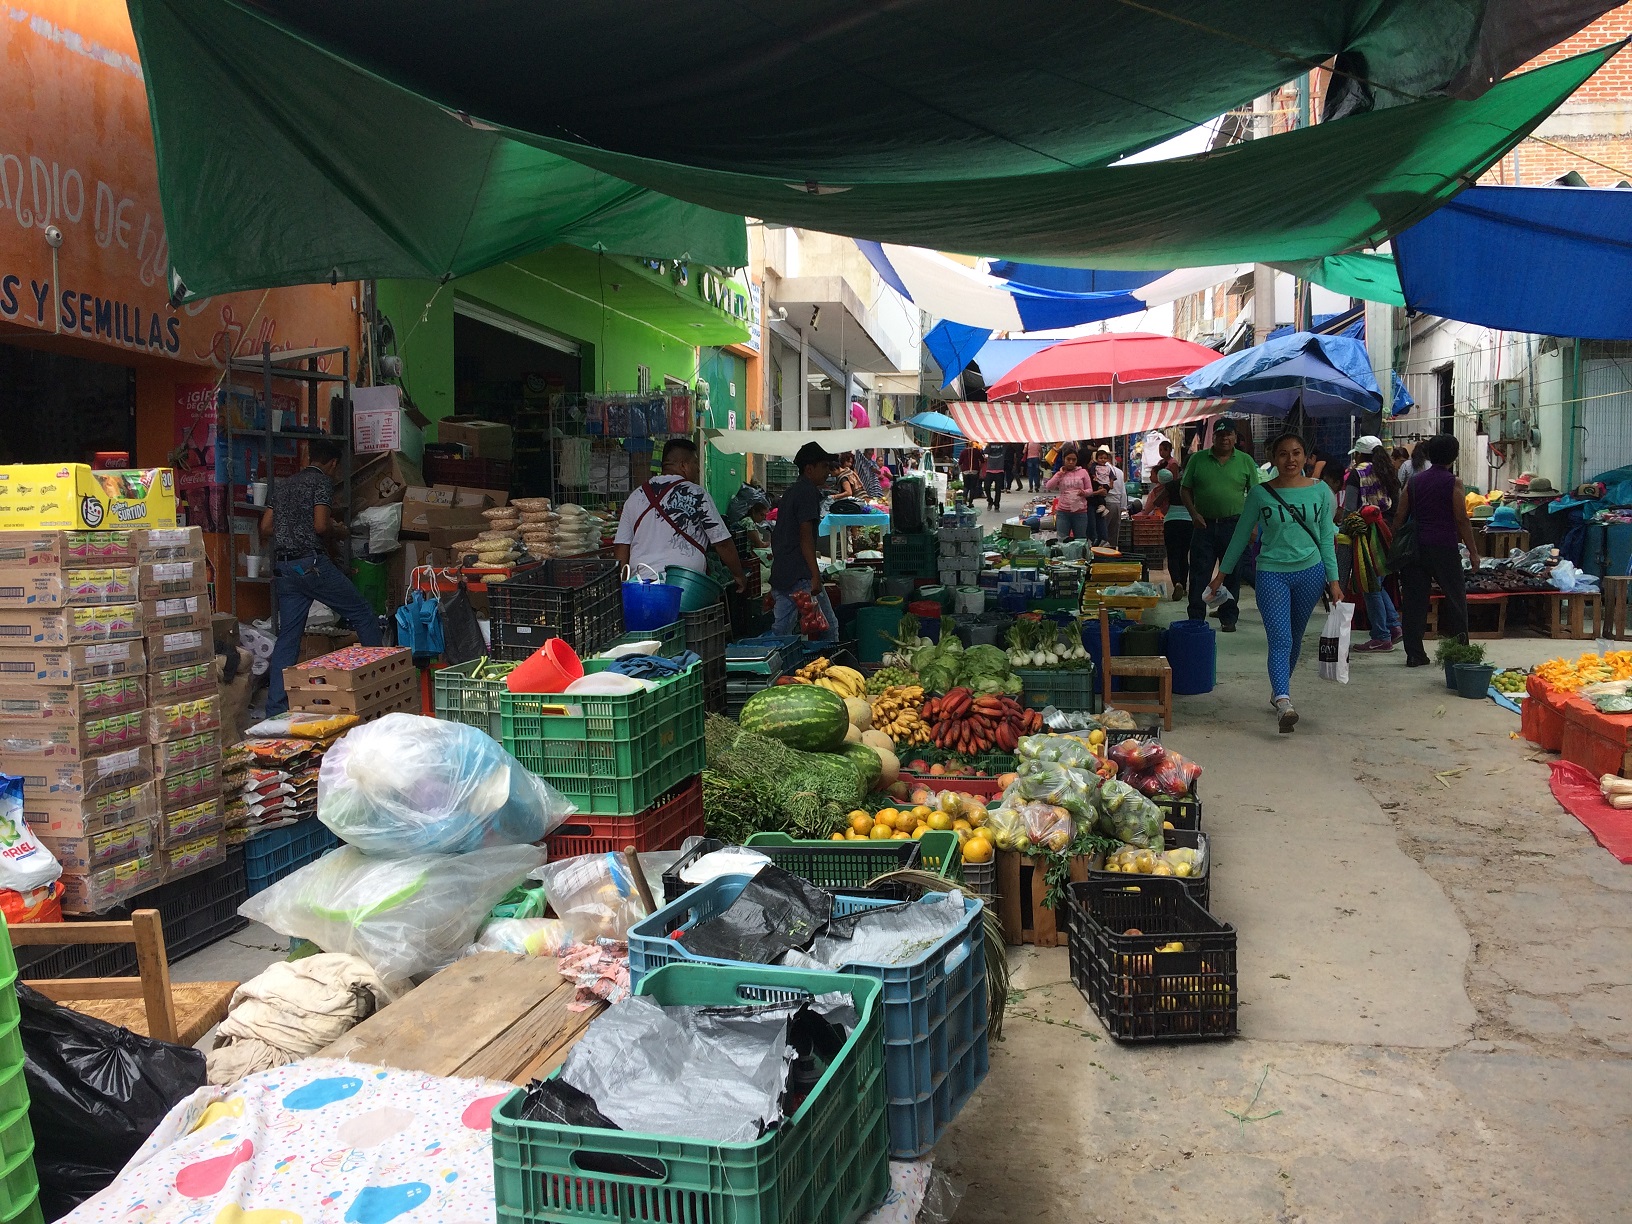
(366, 681)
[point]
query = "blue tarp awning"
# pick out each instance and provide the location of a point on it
(1329, 375)
(1551, 260)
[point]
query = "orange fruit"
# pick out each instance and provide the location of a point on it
(836, 837)
(919, 832)
(921, 812)
(900, 835)
(861, 823)
(880, 832)
(977, 850)
(963, 826)
(884, 820)
(939, 820)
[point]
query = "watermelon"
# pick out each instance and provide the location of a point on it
(867, 764)
(801, 716)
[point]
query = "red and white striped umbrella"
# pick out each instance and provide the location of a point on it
(1015, 422)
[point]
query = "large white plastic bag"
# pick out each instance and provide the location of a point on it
(25, 863)
(595, 895)
(411, 785)
(1334, 643)
(404, 916)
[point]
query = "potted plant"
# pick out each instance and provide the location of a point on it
(1450, 652)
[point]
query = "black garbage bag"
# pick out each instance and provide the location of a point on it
(775, 912)
(462, 638)
(96, 1092)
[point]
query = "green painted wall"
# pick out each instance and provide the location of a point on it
(557, 290)
(722, 371)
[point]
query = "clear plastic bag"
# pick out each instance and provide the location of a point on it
(594, 895)
(404, 916)
(412, 785)
(1174, 776)
(1055, 749)
(1129, 817)
(1136, 755)
(526, 936)
(1008, 828)
(1048, 827)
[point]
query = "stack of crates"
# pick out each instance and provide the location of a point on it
(752, 664)
(617, 757)
(960, 554)
(707, 632)
(19, 1184)
(910, 554)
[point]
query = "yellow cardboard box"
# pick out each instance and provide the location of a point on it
(71, 496)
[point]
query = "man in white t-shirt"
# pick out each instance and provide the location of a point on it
(671, 520)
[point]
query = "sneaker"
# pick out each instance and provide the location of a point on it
(1396, 635)
(1289, 716)
(1373, 646)
(1178, 590)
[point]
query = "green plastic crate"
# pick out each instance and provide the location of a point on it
(1064, 689)
(612, 756)
(827, 1165)
(458, 697)
(672, 635)
(19, 1183)
(939, 852)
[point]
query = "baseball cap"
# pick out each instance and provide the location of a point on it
(1224, 425)
(812, 452)
(1365, 444)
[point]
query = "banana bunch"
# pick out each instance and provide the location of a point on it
(845, 681)
(895, 712)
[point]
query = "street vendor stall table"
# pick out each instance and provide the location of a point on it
(494, 1015)
(833, 526)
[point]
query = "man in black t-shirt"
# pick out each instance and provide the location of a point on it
(794, 566)
(299, 522)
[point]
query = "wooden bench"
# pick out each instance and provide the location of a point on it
(1617, 607)
(1571, 615)
(149, 1004)
(1476, 601)
(1499, 544)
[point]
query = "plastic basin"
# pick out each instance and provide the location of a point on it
(549, 669)
(697, 591)
(1473, 680)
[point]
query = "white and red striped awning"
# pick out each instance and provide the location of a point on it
(1020, 422)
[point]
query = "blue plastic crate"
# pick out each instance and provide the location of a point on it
(935, 1048)
(270, 856)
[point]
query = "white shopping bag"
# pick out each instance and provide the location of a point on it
(1334, 643)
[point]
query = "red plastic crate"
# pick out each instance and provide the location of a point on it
(663, 826)
(980, 788)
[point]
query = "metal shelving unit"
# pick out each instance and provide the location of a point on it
(299, 366)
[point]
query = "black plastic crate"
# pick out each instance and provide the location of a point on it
(1182, 811)
(465, 473)
(1139, 992)
(199, 909)
(715, 699)
(577, 600)
(707, 632)
(38, 962)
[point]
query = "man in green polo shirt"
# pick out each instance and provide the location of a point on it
(1214, 488)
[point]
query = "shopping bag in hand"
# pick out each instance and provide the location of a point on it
(1334, 643)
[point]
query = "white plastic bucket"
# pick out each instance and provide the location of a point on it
(971, 600)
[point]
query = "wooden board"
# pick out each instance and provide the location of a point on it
(1021, 887)
(494, 1015)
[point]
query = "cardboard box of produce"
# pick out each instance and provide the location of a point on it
(38, 587)
(70, 626)
(178, 612)
(72, 497)
(90, 851)
(81, 549)
(67, 817)
(102, 888)
(51, 587)
(190, 857)
(384, 479)
(476, 499)
(167, 650)
(167, 579)
(69, 703)
(381, 422)
(188, 752)
(59, 665)
(174, 544)
(416, 501)
(481, 439)
(69, 782)
(71, 740)
(33, 549)
(174, 683)
(189, 787)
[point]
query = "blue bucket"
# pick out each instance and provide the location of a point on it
(650, 605)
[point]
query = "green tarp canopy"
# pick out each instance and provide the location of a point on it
(1362, 275)
(280, 166)
(300, 139)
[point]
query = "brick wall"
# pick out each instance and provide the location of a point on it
(1596, 121)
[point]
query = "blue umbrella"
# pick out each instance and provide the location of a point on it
(939, 422)
(1331, 375)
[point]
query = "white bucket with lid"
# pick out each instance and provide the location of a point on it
(971, 600)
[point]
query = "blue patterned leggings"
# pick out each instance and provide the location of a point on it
(1285, 601)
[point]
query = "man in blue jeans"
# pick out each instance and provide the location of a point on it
(299, 522)
(1214, 488)
(794, 567)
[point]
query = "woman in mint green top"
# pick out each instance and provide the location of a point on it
(1297, 561)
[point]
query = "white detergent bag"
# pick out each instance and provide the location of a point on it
(1334, 643)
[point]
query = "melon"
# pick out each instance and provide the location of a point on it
(891, 764)
(878, 740)
(867, 762)
(861, 714)
(852, 734)
(801, 716)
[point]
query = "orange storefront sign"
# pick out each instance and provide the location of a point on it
(76, 153)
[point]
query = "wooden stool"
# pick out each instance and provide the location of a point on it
(1499, 544)
(147, 1004)
(1567, 613)
(1147, 666)
(1485, 600)
(1616, 607)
